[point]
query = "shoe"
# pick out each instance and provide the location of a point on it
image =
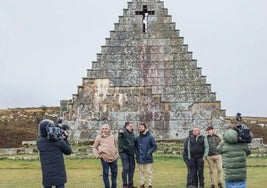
(142, 186)
(125, 186)
(220, 185)
(150, 186)
(212, 186)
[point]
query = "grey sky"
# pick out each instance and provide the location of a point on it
(46, 46)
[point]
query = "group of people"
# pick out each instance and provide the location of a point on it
(225, 155)
(108, 148)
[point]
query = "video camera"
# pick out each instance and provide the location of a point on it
(54, 132)
(244, 134)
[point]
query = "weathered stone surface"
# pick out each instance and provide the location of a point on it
(144, 73)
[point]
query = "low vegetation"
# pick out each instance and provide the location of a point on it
(169, 172)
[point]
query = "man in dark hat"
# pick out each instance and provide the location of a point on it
(214, 159)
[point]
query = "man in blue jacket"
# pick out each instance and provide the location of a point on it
(145, 146)
(51, 149)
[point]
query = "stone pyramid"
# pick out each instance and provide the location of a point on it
(144, 73)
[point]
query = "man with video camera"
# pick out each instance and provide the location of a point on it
(52, 144)
(234, 149)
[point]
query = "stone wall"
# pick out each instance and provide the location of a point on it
(144, 73)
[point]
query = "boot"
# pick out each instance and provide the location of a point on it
(212, 186)
(150, 186)
(220, 185)
(142, 186)
(125, 186)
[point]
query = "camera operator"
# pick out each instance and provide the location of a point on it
(234, 154)
(51, 150)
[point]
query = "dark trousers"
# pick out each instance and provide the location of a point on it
(189, 174)
(128, 167)
(114, 172)
(57, 186)
(197, 170)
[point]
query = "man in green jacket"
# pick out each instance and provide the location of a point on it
(214, 159)
(234, 156)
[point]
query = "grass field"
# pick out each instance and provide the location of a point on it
(169, 172)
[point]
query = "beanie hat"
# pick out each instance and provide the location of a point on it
(42, 129)
(190, 132)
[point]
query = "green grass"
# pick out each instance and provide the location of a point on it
(169, 172)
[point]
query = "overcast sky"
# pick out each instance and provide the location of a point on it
(46, 46)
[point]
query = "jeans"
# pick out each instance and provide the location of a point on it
(57, 186)
(114, 172)
(235, 184)
(128, 167)
(189, 176)
(197, 170)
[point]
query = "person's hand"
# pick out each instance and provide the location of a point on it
(64, 134)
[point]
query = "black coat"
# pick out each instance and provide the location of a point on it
(52, 160)
(126, 142)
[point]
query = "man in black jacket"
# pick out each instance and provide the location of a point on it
(51, 150)
(186, 159)
(198, 150)
(126, 143)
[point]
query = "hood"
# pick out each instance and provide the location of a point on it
(230, 136)
(42, 127)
